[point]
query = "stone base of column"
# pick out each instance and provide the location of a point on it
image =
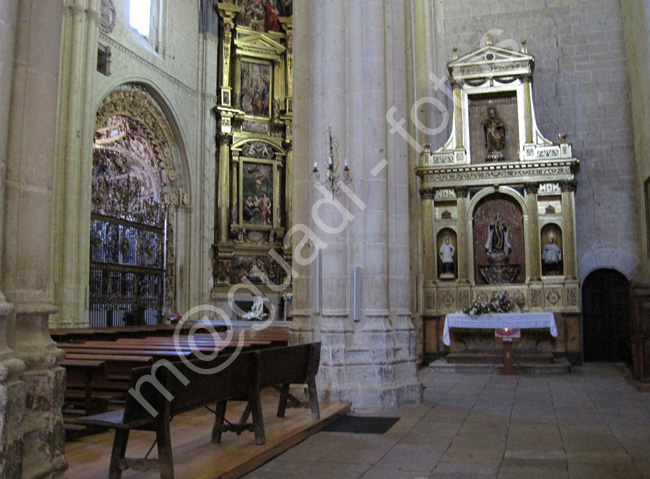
(375, 397)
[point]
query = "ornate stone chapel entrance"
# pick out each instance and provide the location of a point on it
(131, 235)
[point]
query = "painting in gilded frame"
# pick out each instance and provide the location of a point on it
(256, 92)
(257, 193)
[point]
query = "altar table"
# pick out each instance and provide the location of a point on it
(501, 321)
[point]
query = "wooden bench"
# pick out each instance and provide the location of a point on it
(187, 385)
(279, 368)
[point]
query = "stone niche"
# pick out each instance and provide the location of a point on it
(504, 195)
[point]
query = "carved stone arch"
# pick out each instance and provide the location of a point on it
(135, 189)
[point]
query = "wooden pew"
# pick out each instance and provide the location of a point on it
(189, 389)
(181, 387)
(279, 368)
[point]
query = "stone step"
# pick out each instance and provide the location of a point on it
(497, 357)
(558, 366)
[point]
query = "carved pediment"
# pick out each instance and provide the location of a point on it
(262, 44)
(492, 61)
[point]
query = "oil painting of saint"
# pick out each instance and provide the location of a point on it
(256, 88)
(257, 194)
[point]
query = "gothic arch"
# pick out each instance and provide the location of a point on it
(137, 187)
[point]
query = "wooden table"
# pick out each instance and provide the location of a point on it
(496, 321)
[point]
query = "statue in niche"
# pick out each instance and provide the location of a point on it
(495, 135)
(551, 257)
(497, 245)
(447, 252)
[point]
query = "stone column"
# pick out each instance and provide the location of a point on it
(307, 41)
(353, 69)
(37, 443)
(535, 272)
(12, 389)
(568, 230)
(74, 150)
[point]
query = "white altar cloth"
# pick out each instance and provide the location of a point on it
(499, 321)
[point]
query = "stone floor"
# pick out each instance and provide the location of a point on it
(589, 424)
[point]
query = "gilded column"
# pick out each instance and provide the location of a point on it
(458, 115)
(535, 272)
(464, 248)
(429, 257)
(223, 191)
(568, 230)
(228, 12)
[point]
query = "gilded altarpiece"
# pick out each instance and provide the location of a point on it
(498, 209)
(255, 132)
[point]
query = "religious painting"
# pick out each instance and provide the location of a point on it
(257, 193)
(263, 15)
(256, 88)
(494, 127)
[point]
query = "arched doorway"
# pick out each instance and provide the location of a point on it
(131, 235)
(606, 317)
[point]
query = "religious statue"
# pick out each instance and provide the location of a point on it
(495, 135)
(257, 311)
(447, 252)
(497, 245)
(551, 257)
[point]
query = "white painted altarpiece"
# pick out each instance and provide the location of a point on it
(502, 195)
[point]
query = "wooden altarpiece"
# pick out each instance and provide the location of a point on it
(254, 112)
(503, 196)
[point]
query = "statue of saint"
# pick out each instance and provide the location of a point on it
(497, 245)
(495, 135)
(447, 252)
(551, 257)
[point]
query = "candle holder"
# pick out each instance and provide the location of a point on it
(332, 178)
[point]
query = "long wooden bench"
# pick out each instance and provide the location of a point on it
(179, 387)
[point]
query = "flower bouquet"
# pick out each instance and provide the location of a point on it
(500, 302)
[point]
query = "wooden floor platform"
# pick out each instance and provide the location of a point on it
(194, 456)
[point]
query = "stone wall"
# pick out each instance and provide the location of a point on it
(580, 88)
(636, 20)
(179, 71)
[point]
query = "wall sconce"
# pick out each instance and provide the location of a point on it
(333, 178)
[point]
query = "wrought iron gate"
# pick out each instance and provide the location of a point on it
(127, 272)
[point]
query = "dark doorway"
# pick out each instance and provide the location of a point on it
(606, 317)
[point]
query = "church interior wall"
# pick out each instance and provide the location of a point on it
(636, 19)
(182, 79)
(581, 89)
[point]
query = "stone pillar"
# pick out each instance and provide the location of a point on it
(74, 150)
(12, 389)
(568, 230)
(348, 71)
(464, 248)
(35, 445)
(535, 271)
